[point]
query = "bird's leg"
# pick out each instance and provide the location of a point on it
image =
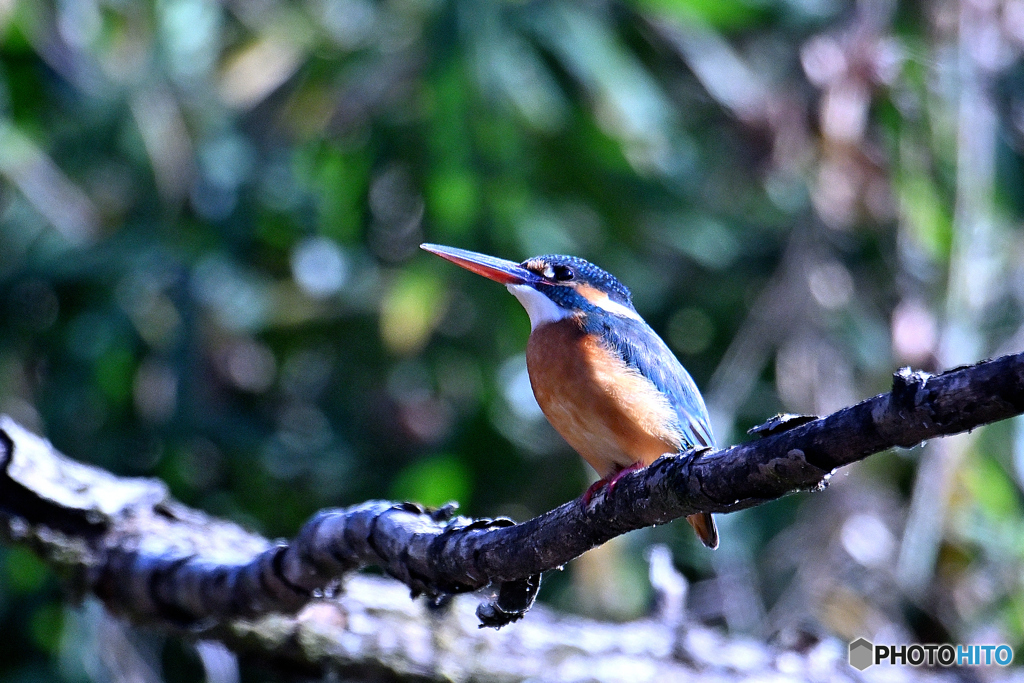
(638, 465)
(610, 481)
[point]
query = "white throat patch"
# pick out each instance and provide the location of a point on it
(541, 309)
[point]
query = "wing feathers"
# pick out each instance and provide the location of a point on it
(641, 348)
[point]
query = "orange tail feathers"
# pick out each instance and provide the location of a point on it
(704, 525)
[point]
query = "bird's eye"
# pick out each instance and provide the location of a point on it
(564, 273)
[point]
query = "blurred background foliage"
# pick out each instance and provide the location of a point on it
(209, 219)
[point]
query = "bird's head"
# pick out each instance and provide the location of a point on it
(550, 287)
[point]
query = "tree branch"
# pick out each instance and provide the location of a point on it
(151, 558)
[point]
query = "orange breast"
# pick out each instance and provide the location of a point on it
(610, 413)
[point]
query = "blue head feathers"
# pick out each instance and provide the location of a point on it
(560, 270)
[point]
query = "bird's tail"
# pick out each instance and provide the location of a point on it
(704, 525)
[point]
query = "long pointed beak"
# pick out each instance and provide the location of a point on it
(499, 270)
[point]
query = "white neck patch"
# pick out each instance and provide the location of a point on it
(615, 307)
(601, 299)
(541, 309)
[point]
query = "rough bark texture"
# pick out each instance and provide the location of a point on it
(151, 559)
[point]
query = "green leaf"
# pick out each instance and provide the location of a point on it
(721, 14)
(46, 626)
(25, 572)
(926, 213)
(339, 179)
(114, 372)
(454, 201)
(434, 481)
(993, 491)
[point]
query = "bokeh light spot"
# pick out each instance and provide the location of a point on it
(867, 539)
(514, 379)
(319, 267)
(831, 284)
(155, 391)
(410, 310)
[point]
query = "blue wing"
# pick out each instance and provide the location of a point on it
(641, 348)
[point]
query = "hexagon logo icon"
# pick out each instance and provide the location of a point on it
(861, 654)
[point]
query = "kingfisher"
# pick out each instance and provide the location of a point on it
(603, 378)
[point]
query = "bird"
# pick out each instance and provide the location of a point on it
(603, 378)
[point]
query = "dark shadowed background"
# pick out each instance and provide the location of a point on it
(209, 219)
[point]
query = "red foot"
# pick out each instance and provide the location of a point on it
(621, 473)
(610, 482)
(594, 488)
